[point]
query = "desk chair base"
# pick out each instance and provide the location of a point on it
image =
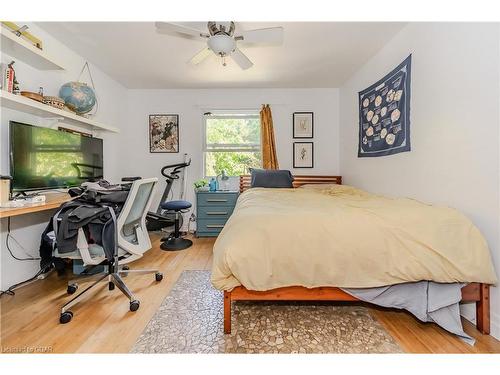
(175, 244)
(113, 279)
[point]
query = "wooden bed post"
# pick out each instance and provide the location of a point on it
(227, 312)
(483, 309)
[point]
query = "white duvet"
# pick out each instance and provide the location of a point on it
(345, 237)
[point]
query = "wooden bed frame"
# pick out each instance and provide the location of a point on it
(473, 292)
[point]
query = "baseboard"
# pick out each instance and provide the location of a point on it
(469, 312)
(495, 325)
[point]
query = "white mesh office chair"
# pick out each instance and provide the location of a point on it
(132, 242)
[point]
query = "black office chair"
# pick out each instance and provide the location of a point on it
(174, 241)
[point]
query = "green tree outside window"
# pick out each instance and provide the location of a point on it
(232, 144)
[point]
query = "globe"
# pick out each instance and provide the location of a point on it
(78, 97)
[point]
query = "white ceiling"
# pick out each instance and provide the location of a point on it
(314, 54)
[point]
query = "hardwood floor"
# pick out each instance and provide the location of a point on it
(104, 324)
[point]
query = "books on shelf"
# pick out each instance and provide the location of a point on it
(6, 77)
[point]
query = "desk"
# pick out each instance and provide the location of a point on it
(52, 201)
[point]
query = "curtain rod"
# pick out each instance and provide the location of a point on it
(236, 108)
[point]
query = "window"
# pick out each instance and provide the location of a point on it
(231, 143)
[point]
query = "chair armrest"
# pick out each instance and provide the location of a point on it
(83, 247)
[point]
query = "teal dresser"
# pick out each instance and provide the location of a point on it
(212, 211)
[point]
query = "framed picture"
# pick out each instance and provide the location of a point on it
(163, 133)
(303, 155)
(303, 124)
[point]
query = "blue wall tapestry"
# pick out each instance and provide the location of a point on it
(384, 114)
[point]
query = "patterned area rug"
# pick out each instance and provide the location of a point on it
(190, 320)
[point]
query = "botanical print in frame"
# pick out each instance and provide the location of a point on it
(303, 155)
(163, 133)
(303, 124)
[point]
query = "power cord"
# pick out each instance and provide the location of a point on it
(192, 219)
(7, 244)
(10, 290)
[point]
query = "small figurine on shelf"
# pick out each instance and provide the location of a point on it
(15, 87)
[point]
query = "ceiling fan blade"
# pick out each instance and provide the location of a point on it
(241, 59)
(270, 35)
(200, 56)
(174, 28)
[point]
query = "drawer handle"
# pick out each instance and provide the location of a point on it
(217, 213)
(215, 226)
(216, 200)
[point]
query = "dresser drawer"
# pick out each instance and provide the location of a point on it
(214, 226)
(215, 212)
(217, 199)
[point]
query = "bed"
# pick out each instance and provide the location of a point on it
(475, 269)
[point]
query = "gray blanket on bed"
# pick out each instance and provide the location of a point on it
(427, 300)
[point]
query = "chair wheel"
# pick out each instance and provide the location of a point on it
(72, 288)
(111, 285)
(65, 317)
(158, 276)
(125, 268)
(134, 305)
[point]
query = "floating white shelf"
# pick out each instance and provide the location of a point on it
(23, 50)
(20, 103)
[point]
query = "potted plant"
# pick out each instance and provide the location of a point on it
(201, 185)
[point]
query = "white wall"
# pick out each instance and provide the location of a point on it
(454, 126)
(27, 228)
(133, 150)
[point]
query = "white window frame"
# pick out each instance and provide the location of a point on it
(222, 114)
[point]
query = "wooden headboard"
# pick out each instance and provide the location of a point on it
(245, 181)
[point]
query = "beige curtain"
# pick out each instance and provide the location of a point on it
(269, 157)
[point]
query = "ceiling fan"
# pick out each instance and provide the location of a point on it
(222, 41)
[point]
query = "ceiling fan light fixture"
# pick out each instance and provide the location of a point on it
(221, 44)
(222, 40)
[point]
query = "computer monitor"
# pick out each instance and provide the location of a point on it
(43, 158)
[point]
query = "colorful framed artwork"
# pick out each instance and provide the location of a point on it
(163, 133)
(303, 124)
(303, 155)
(384, 114)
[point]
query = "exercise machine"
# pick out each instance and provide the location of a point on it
(164, 218)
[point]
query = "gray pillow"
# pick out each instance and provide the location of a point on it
(271, 178)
